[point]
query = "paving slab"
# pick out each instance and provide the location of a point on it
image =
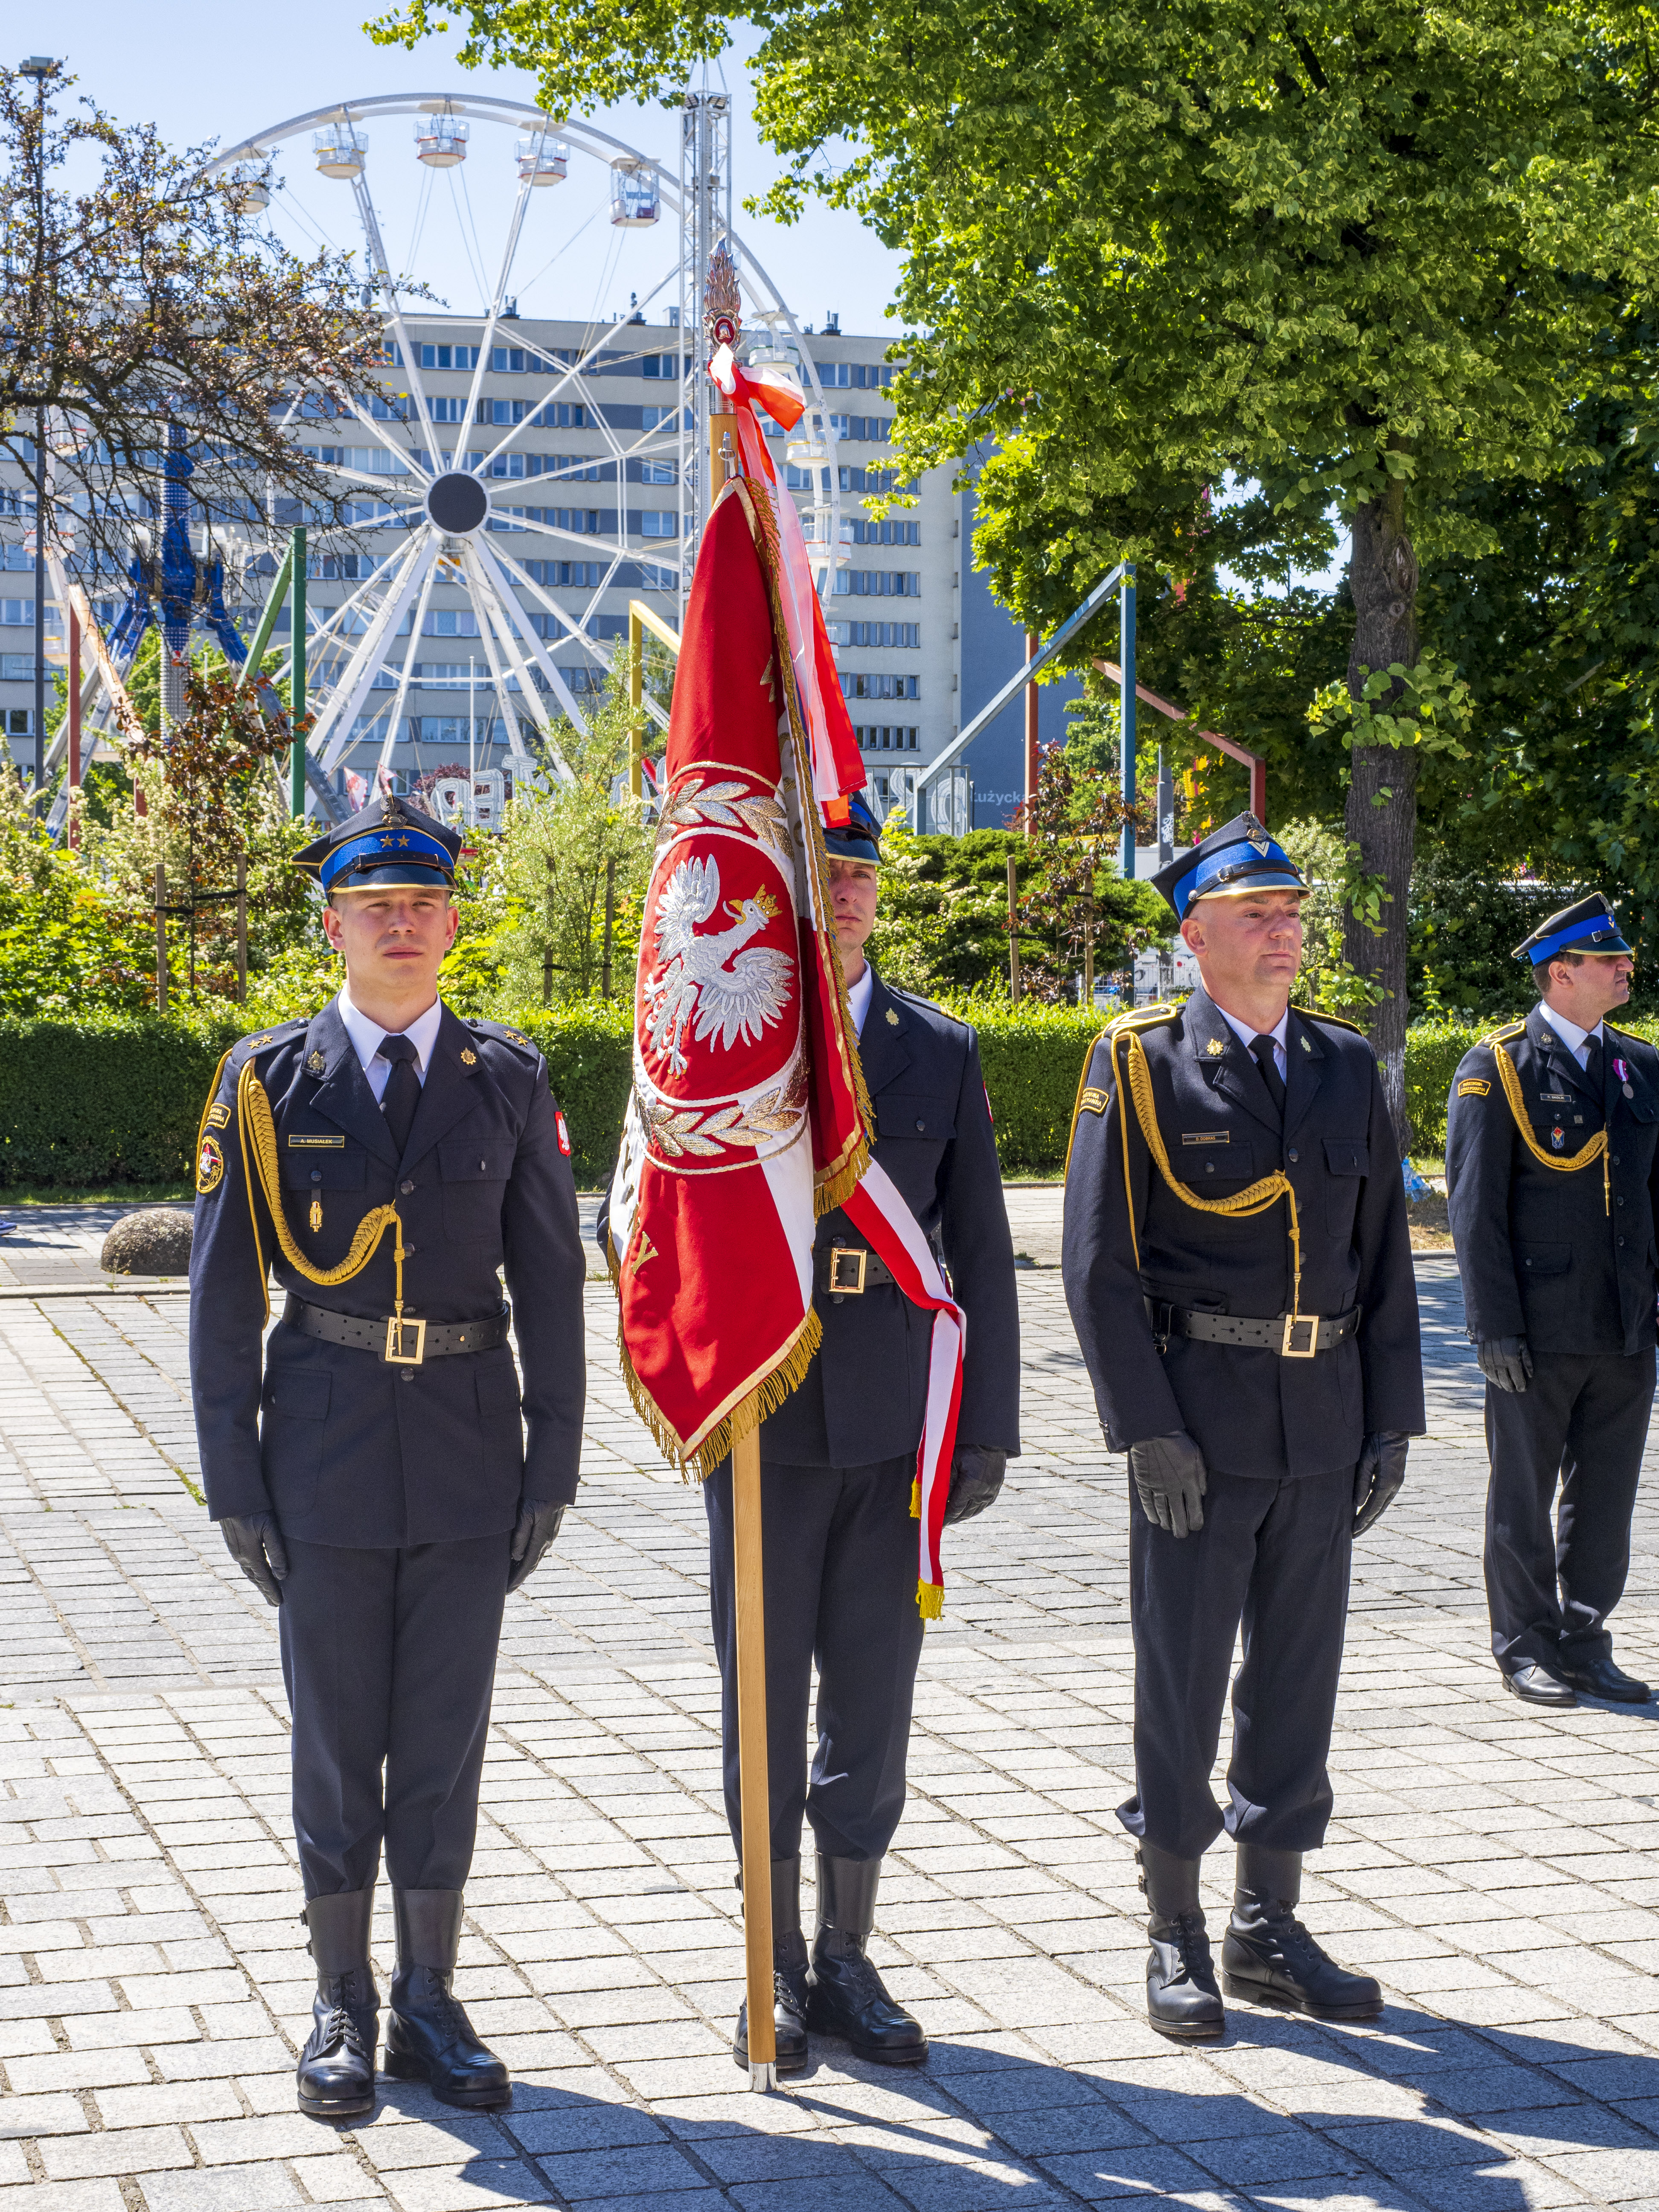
(1498, 1867)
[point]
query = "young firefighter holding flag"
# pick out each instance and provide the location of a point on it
(775, 1231)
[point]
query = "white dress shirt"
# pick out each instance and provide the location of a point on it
(365, 1035)
(858, 997)
(1247, 1036)
(1576, 1041)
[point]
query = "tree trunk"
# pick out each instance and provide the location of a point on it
(1382, 811)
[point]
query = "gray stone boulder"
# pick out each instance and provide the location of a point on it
(155, 1241)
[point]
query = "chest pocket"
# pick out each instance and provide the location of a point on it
(473, 1173)
(342, 1166)
(1347, 1161)
(911, 1114)
(1213, 1170)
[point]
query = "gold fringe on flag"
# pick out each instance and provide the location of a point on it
(755, 1407)
(930, 1600)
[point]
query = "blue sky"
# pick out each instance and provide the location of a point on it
(224, 76)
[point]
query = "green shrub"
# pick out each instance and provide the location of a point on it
(115, 1100)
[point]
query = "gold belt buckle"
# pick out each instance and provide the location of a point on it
(1295, 1347)
(842, 1258)
(396, 1336)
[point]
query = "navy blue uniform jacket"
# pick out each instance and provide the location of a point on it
(1542, 1255)
(863, 1398)
(1251, 1412)
(330, 1438)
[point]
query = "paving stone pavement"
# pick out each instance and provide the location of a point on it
(1498, 1867)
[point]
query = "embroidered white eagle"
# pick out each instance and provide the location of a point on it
(718, 983)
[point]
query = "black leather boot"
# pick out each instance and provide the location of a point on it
(429, 2036)
(845, 1995)
(1182, 2001)
(336, 2073)
(788, 1975)
(1269, 1956)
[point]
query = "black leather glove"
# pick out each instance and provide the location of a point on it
(976, 1477)
(1378, 1476)
(1168, 1474)
(533, 1536)
(1505, 1362)
(255, 1542)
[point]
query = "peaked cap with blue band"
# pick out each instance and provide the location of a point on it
(1591, 927)
(1237, 858)
(390, 841)
(858, 838)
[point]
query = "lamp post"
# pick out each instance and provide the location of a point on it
(39, 67)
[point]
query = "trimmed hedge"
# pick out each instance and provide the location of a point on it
(118, 1100)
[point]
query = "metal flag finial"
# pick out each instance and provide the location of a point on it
(722, 302)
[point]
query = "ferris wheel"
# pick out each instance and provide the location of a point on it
(444, 524)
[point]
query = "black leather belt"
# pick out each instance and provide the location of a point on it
(410, 1343)
(848, 1270)
(1292, 1336)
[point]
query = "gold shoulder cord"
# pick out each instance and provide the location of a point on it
(1266, 1191)
(1595, 1150)
(254, 1122)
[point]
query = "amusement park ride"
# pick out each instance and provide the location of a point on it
(440, 506)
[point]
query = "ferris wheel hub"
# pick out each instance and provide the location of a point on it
(457, 504)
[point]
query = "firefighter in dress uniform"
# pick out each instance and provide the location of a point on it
(1551, 1161)
(1238, 1270)
(366, 1463)
(838, 1460)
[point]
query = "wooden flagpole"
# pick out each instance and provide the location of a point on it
(753, 1791)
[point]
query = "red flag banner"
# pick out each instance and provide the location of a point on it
(748, 1117)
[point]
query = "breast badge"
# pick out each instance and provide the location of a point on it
(210, 1166)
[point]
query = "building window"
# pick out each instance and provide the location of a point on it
(450, 409)
(450, 622)
(443, 356)
(888, 738)
(17, 667)
(658, 522)
(565, 415)
(659, 418)
(504, 414)
(660, 473)
(20, 722)
(878, 584)
(880, 634)
(581, 575)
(859, 376)
(880, 687)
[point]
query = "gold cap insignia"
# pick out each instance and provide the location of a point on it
(210, 1166)
(469, 1058)
(1215, 1048)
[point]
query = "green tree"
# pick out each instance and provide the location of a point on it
(1358, 255)
(563, 850)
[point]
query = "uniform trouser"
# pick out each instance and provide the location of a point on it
(389, 1657)
(840, 1568)
(1272, 1555)
(1582, 1420)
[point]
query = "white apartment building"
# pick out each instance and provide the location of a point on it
(594, 530)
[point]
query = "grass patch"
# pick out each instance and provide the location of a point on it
(127, 1194)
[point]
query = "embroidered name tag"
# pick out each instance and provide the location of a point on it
(218, 1114)
(1554, 1097)
(1093, 1101)
(1206, 1136)
(1473, 1087)
(316, 1144)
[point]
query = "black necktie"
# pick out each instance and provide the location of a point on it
(1593, 1074)
(1263, 1046)
(402, 1094)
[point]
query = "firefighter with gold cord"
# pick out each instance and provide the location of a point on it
(1239, 1273)
(368, 1461)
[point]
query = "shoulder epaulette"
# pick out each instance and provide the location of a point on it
(1144, 1017)
(1336, 1021)
(1627, 1036)
(1498, 1035)
(500, 1033)
(262, 1040)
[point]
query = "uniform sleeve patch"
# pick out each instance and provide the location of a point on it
(1472, 1086)
(564, 1133)
(210, 1166)
(1094, 1100)
(218, 1114)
